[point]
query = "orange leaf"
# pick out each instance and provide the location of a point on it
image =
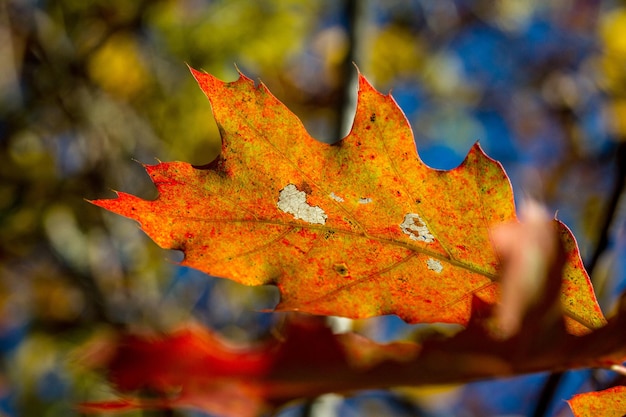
(608, 403)
(357, 229)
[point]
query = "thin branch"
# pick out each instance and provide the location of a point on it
(346, 102)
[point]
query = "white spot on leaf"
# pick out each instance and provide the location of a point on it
(434, 265)
(293, 201)
(414, 226)
(336, 197)
(365, 200)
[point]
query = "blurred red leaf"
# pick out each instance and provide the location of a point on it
(192, 367)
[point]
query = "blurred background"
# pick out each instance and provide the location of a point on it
(88, 88)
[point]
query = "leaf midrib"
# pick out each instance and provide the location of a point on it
(322, 228)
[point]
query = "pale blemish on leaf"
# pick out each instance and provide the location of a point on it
(293, 201)
(414, 226)
(434, 265)
(365, 200)
(336, 197)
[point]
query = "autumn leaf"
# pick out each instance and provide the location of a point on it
(357, 229)
(608, 403)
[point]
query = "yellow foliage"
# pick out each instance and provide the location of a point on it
(613, 32)
(395, 51)
(613, 62)
(261, 35)
(118, 68)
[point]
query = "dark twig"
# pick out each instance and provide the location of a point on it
(617, 192)
(347, 72)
